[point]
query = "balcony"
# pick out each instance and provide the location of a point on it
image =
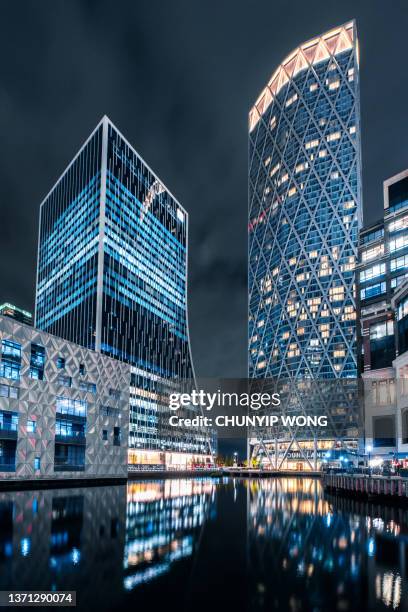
(7, 467)
(8, 433)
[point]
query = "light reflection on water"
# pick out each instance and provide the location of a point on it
(206, 544)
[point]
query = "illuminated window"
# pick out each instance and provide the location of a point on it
(398, 243)
(334, 175)
(292, 191)
(402, 310)
(381, 330)
(399, 262)
(375, 251)
(336, 294)
(349, 204)
(311, 144)
(291, 100)
(313, 87)
(372, 272)
(267, 161)
(352, 130)
(398, 224)
(333, 136)
(301, 167)
(274, 169)
(333, 85)
(322, 153)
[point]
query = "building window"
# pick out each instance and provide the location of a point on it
(405, 427)
(9, 391)
(88, 387)
(70, 429)
(402, 318)
(372, 291)
(31, 426)
(375, 235)
(372, 272)
(37, 362)
(402, 310)
(398, 224)
(61, 363)
(115, 393)
(397, 280)
(109, 411)
(64, 381)
(82, 369)
(10, 360)
(74, 407)
(105, 435)
(116, 436)
(382, 346)
(37, 463)
(8, 420)
(398, 243)
(384, 431)
(69, 458)
(383, 392)
(373, 252)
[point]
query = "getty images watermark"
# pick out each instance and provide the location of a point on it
(251, 401)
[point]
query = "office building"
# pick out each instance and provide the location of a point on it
(383, 266)
(112, 277)
(305, 211)
(382, 291)
(64, 409)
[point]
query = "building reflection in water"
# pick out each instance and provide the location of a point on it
(163, 524)
(307, 551)
(113, 538)
(125, 545)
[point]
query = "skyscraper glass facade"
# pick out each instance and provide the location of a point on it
(112, 275)
(305, 213)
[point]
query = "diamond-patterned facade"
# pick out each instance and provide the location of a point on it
(305, 211)
(34, 400)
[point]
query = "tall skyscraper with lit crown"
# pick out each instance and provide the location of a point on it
(305, 211)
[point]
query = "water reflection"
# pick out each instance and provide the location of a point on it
(272, 544)
(310, 552)
(163, 523)
(102, 541)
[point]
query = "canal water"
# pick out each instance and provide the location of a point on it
(206, 544)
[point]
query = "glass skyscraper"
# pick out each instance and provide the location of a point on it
(305, 212)
(112, 276)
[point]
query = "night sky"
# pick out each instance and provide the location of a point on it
(177, 78)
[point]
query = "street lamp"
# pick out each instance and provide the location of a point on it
(235, 459)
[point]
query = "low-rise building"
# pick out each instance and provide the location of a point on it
(9, 310)
(64, 409)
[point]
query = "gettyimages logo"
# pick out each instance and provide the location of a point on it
(236, 410)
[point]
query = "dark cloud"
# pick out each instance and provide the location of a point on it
(178, 79)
